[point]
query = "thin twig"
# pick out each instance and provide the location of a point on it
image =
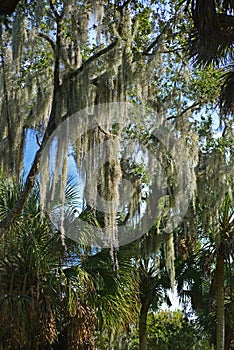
(47, 38)
(108, 135)
(38, 142)
(184, 111)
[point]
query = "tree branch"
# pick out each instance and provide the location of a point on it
(30, 180)
(47, 38)
(159, 38)
(184, 111)
(107, 134)
(98, 54)
(55, 12)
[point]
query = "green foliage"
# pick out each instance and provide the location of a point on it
(49, 292)
(124, 50)
(205, 85)
(143, 23)
(172, 331)
(167, 330)
(197, 272)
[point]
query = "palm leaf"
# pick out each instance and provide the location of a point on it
(227, 93)
(212, 35)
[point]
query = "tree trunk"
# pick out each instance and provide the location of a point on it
(220, 329)
(143, 326)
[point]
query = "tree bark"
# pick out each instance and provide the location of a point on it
(143, 326)
(220, 328)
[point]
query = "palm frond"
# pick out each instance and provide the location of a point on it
(212, 35)
(7, 7)
(115, 295)
(227, 93)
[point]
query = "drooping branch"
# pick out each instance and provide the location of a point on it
(30, 180)
(47, 38)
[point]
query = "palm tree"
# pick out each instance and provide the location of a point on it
(39, 298)
(55, 296)
(115, 294)
(224, 253)
(148, 260)
(211, 41)
(153, 283)
(208, 273)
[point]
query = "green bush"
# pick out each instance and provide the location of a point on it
(172, 331)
